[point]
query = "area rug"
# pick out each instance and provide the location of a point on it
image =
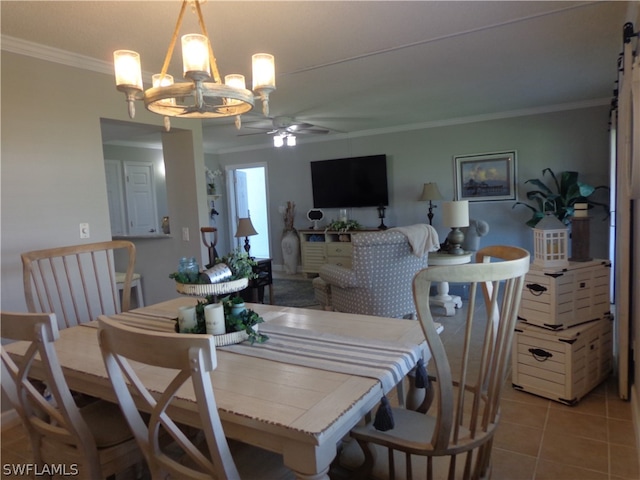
(293, 293)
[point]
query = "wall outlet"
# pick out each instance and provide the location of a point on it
(84, 230)
(185, 234)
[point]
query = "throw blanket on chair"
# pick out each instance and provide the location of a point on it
(422, 238)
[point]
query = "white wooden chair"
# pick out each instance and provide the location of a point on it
(136, 285)
(78, 282)
(95, 438)
(456, 437)
(193, 357)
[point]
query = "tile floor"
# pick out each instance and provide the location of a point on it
(538, 439)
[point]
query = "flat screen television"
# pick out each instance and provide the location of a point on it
(350, 182)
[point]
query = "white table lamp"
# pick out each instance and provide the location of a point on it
(455, 215)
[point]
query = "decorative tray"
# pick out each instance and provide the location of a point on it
(204, 289)
(230, 338)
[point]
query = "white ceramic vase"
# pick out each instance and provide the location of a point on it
(290, 251)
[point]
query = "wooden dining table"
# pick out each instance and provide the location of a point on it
(299, 409)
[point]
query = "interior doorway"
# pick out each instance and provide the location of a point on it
(247, 185)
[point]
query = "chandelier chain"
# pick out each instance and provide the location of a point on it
(172, 44)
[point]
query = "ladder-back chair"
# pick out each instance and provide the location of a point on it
(95, 439)
(456, 434)
(192, 358)
(78, 282)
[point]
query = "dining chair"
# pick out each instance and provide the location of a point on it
(454, 434)
(79, 282)
(89, 442)
(191, 358)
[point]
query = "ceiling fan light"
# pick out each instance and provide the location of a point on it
(291, 141)
(278, 141)
(195, 54)
(127, 69)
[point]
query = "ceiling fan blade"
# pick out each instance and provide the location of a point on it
(250, 134)
(312, 130)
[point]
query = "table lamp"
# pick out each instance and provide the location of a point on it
(245, 229)
(430, 193)
(455, 215)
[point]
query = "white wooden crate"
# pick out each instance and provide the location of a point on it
(562, 365)
(562, 298)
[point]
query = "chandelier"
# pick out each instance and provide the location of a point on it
(203, 95)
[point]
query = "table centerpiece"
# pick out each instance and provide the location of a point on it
(228, 275)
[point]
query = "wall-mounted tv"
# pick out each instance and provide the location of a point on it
(350, 182)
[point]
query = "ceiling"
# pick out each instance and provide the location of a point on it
(358, 67)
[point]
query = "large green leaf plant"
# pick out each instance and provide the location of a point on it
(560, 198)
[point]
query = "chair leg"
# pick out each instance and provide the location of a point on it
(364, 471)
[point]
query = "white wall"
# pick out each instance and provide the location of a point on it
(569, 140)
(53, 174)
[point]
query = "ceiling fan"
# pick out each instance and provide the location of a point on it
(284, 129)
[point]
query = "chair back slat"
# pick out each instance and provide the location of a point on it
(193, 357)
(78, 282)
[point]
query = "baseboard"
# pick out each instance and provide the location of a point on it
(9, 419)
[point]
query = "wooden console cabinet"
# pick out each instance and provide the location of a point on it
(318, 247)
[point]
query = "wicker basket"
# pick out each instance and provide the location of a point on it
(204, 289)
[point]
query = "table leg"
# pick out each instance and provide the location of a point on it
(443, 299)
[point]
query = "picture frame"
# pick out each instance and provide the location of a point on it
(485, 177)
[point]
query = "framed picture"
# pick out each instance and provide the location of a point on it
(485, 177)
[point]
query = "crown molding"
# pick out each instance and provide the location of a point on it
(598, 102)
(56, 55)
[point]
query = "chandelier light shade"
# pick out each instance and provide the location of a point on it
(430, 192)
(203, 95)
(456, 215)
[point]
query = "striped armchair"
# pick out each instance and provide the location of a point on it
(379, 282)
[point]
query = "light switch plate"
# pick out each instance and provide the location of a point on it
(84, 230)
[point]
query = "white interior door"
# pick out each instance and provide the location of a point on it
(141, 200)
(248, 187)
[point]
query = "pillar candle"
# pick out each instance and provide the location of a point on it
(187, 319)
(214, 319)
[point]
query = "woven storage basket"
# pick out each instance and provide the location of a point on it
(204, 289)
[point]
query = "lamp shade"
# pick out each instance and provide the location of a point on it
(430, 191)
(195, 53)
(455, 214)
(264, 71)
(245, 228)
